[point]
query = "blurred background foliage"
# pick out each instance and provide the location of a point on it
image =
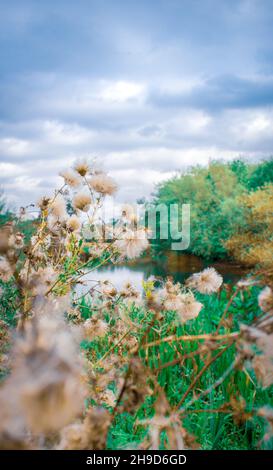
(231, 210)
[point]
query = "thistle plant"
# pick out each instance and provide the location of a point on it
(79, 353)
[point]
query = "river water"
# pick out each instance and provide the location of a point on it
(179, 266)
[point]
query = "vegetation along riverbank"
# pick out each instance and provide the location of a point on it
(184, 363)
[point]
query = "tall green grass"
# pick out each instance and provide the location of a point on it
(213, 430)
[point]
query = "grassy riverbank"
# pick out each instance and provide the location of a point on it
(224, 418)
(178, 364)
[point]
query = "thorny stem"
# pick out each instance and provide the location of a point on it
(93, 268)
(207, 410)
(181, 359)
(116, 344)
(74, 280)
(43, 224)
(226, 309)
(39, 240)
(134, 354)
(209, 337)
(113, 347)
(80, 275)
(216, 384)
(199, 375)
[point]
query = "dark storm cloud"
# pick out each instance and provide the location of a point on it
(218, 93)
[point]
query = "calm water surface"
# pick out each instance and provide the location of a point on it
(179, 266)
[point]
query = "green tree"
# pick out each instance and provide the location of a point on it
(262, 174)
(212, 193)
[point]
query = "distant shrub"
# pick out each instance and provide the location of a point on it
(218, 197)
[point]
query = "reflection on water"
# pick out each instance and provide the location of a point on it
(118, 276)
(177, 265)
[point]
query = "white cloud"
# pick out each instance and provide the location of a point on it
(122, 91)
(189, 123)
(258, 126)
(139, 143)
(14, 147)
(252, 128)
(66, 134)
(8, 170)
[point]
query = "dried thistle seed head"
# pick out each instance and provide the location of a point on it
(130, 295)
(50, 406)
(171, 298)
(73, 437)
(166, 297)
(172, 302)
(89, 434)
(154, 301)
(71, 178)
(189, 440)
(37, 254)
(128, 212)
(5, 233)
(82, 201)
(263, 370)
(265, 300)
(10, 441)
(52, 307)
(54, 225)
(250, 333)
(239, 413)
(12, 257)
(132, 243)
(47, 276)
(82, 167)
(46, 377)
(109, 398)
(267, 413)
(16, 241)
(136, 386)
(13, 434)
(96, 425)
(40, 281)
(6, 271)
(172, 288)
(43, 202)
(73, 223)
(108, 289)
(263, 363)
(101, 381)
(57, 207)
(165, 420)
(94, 328)
(103, 184)
(206, 282)
(189, 307)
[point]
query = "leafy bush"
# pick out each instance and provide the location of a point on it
(218, 204)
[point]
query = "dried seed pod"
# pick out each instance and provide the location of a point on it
(90, 434)
(136, 387)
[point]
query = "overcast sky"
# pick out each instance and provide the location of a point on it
(147, 86)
